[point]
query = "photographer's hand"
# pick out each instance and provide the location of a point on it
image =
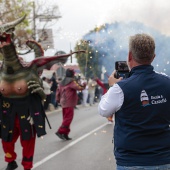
(112, 80)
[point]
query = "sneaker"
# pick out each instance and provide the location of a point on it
(11, 165)
(60, 135)
(66, 137)
(75, 107)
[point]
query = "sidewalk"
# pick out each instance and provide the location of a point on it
(53, 110)
(59, 109)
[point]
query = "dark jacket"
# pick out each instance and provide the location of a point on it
(142, 132)
(22, 108)
(54, 84)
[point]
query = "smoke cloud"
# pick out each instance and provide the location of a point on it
(111, 44)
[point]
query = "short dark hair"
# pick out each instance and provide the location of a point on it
(69, 72)
(142, 47)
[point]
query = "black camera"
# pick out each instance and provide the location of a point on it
(122, 69)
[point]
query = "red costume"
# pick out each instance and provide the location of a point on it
(101, 85)
(67, 97)
(110, 119)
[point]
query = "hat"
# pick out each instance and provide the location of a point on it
(69, 72)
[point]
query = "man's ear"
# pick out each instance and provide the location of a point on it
(153, 57)
(129, 56)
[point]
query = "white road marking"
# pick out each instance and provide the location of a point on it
(66, 147)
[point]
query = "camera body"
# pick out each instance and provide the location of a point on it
(122, 69)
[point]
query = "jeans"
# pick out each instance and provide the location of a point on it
(157, 167)
(53, 99)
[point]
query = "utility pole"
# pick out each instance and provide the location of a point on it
(34, 24)
(87, 53)
(42, 17)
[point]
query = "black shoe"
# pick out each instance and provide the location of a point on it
(60, 135)
(66, 137)
(11, 165)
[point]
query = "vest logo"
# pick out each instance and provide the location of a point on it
(158, 99)
(144, 98)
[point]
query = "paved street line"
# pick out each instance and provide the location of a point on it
(66, 147)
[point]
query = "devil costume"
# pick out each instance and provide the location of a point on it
(67, 96)
(26, 109)
(27, 113)
(21, 110)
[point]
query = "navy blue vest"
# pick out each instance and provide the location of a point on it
(142, 132)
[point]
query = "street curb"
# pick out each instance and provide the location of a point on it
(59, 110)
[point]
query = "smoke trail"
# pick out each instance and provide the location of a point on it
(111, 43)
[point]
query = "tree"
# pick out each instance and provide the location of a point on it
(14, 9)
(45, 13)
(89, 61)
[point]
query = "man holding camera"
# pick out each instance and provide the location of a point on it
(141, 104)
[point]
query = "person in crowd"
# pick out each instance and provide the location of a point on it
(80, 98)
(100, 92)
(84, 92)
(141, 107)
(47, 91)
(59, 80)
(104, 90)
(53, 90)
(96, 94)
(67, 96)
(91, 90)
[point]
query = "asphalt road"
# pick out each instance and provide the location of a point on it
(90, 149)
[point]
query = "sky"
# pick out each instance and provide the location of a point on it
(81, 16)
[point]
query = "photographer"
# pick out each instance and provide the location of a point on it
(141, 104)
